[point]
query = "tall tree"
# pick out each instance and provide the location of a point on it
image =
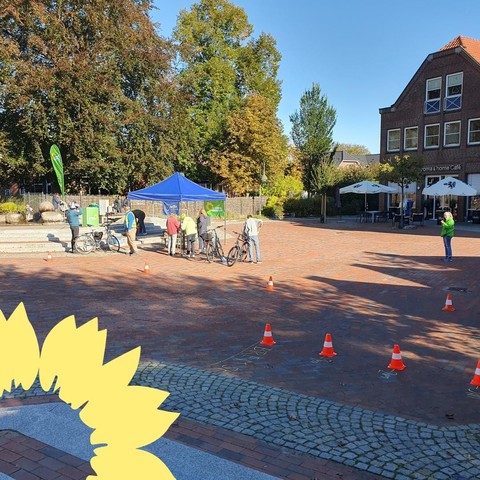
(255, 146)
(220, 65)
(95, 78)
(312, 134)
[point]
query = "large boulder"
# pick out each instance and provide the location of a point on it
(46, 206)
(14, 217)
(51, 217)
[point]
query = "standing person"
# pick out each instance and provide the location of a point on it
(130, 224)
(190, 230)
(56, 200)
(203, 222)
(250, 230)
(117, 207)
(448, 228)
(28, 212)
(140, 217)
(173, 227)
(73, 219)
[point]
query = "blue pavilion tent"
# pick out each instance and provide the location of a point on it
(176, 188)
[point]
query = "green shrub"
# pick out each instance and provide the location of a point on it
(273, 208)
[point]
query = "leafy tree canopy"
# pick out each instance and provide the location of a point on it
(93, 77)
(221, 65)
(255, 144)
(312, 134)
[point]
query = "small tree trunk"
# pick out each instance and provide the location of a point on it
(402, 220)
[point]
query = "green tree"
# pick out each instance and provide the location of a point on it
(402, 170)
(220, 65)
(94, 78)
(312, 134)
(255, 144)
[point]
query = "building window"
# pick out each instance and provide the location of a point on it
(432, 95)
(432, 136)
(393, 140)
(474, 131)
(453, 94)
(410, 141)
(451, 135)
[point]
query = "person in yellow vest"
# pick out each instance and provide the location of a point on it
(130, 225)
(189, 229)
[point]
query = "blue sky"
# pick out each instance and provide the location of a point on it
(361, 53)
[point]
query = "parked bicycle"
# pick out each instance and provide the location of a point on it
(95, 240)
(213, 247)
(239, 252)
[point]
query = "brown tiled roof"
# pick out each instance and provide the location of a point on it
(470, 45)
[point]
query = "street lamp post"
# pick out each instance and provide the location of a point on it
(263, 179)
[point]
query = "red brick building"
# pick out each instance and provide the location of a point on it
(437, 116)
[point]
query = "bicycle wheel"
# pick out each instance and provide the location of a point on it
(209, 252)
(219, 252)
(233, 255)
(113, 243)
(84, 244)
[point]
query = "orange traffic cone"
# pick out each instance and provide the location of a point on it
(267, 336)
(146, 268)
(270, 284)
(397, 362)
(476, 378)
(449, 304)
(49, 257)
(327, 350)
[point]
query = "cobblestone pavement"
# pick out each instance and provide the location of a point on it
(371, 287)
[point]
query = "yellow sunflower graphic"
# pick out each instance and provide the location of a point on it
(124, 417)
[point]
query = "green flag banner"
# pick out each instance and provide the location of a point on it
(57, 163)
(215, 208)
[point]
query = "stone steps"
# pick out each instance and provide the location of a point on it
(56, 238)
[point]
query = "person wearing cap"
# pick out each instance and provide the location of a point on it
(73, 219)
(130, 225)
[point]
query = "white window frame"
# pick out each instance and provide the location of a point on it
(425, 136)
(453, 101)
(445, 132)
(406, 138)
(447, 86)
(389, 148)
(469, 141)
(428, 101)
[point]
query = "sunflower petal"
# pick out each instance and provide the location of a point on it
(114, 463)
(19, 351)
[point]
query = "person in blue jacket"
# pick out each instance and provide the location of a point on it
(73, 219)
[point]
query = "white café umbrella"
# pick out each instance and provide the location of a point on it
(367, 188)
(450, 186)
